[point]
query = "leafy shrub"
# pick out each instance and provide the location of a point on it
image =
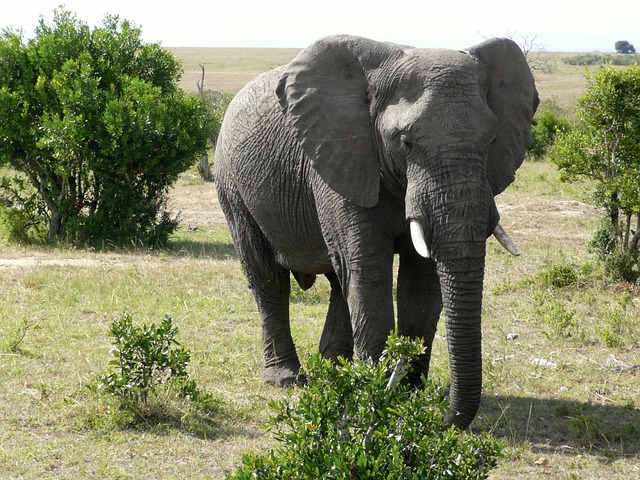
(617, 328)
(559, 276)
(147, 384)
(20, 210)
(623, 265)
(602, 147)
(585, 59)
(555, 314)
(620, 263)
(603, 242)
(96, 122)
(216, 104)
(610, 329)
(148, 359)
(350, 421)
(544, 129)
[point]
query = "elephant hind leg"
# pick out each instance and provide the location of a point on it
(337, 335)
(270, 284)
(281, 364)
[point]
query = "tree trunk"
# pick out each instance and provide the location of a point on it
(205, 169)
(614, 214)
(627, 231)
(633, 243)
(55, 225)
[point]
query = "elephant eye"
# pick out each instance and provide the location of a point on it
(405, 143)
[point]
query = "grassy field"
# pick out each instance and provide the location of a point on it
(564, 395)
(229, 69)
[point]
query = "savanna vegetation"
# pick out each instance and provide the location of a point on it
(603, 147)
(561, 337)
(95, 129)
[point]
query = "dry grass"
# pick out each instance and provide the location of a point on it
(228, 69)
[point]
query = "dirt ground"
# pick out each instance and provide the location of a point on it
(526, 217)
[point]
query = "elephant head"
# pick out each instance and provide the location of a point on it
(444, 131)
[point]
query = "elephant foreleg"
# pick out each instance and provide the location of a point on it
(337, 335)
(361, 251)
(419, 303)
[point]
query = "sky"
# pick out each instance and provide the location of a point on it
(554, 25)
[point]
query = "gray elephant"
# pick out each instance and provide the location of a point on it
(355, 151)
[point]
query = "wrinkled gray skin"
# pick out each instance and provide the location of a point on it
(322, 163)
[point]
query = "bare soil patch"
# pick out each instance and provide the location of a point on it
(196, 204)
(528, 219)
(532, 218)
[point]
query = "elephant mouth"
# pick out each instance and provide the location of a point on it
(420, 244)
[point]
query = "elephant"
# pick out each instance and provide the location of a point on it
(356, 151)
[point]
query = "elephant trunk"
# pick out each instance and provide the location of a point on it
(461, 282)
(457, 214)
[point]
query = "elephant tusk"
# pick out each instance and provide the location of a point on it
(508, 244)
(417, 237)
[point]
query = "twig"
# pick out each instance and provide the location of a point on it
(399, 372)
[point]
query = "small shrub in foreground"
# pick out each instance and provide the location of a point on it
(148, 361)
(352, 420)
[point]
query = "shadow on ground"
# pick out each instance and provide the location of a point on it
(563, 426)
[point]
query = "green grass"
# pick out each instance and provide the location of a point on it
(581, 414)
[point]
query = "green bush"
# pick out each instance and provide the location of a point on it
(350, 421)
(617, 327)
(589, 59)
(216, 104)
(96, 123)
(544, 129)
(20, 211)
(148, 361)
(620, 263)
(558, 276)
(585, 59)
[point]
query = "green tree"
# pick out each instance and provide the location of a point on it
(94, 119)
(604, 146)
(622, 46)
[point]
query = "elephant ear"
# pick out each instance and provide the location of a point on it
(513, 98)
(324, 95)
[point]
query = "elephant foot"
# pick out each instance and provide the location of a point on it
(335, 354)
(280, 376)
